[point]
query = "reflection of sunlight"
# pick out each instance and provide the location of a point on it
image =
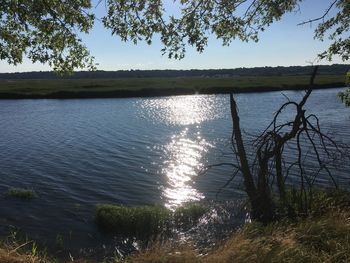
(182, 110)
(184, 153)
(184, 162)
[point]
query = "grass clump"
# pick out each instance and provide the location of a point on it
(22, 193)
(147, 221)
(188, 214)
(140, 221)
(311, 203)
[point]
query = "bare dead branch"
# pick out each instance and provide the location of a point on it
(321, 17)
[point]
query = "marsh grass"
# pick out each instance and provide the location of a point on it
(22, 193)
(192, 84)
(318, 201)
(147, 221)
(141, 221)
(188, 214)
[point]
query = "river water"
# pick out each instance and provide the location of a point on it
(79, 153)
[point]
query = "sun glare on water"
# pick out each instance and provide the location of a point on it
(182, 110)
(184, 153)
(184, 161)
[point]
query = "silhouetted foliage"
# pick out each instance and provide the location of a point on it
(47, 31)
(268, 170)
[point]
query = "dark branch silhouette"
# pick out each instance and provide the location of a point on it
(321, 17)
(268, 169)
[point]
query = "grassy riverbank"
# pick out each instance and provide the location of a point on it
(138, 87)
(315, 239)
(323, 236)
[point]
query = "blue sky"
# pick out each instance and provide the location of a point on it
(282, 44)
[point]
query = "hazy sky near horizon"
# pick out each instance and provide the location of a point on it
(282, 44)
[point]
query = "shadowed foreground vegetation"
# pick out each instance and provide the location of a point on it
(138, 87)
(322, 236)
(11, 255)
(314, 239)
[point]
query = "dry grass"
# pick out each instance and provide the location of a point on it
(324, 239)
(160, 253)
(324, 236)
(12, 254)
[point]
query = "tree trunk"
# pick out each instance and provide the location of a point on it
(279, 175)
(248, 178)
(262, 208)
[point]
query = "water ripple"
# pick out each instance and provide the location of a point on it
(78, 153)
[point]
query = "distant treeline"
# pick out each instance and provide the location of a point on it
(336, 69)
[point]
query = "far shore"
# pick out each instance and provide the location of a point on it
(155, 87)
